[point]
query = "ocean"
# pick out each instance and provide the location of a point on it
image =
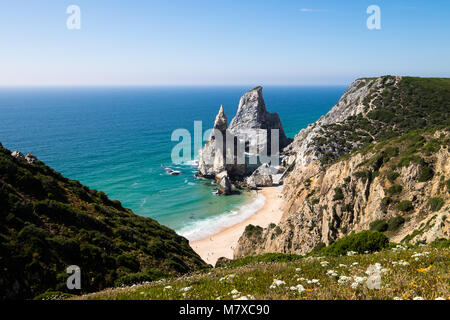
(118, 140)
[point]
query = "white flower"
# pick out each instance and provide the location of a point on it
(344, 279)
(359, 280)
(439, 298)
(298, 288)
(398, 298)
(354, 263)
(315, 280)
(218, 298)
(332, 273)
(355, 285)
(374, 281)
(167, 287)
(186, 289)
(351, 253)
(277, 283)
(342, 265)
(250, 278)
(324, 263)
(234, 291)
(418, 298)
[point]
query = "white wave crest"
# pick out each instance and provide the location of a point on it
(207, 227)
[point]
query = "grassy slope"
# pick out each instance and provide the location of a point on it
(416, 103)
(426, 276)
(48, 222)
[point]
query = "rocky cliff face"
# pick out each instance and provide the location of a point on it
(251, 127)
(398, 182)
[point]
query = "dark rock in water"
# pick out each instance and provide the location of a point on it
(224, 183)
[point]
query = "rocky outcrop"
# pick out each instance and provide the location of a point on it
(30, 158)
(249, 130)
(262, 177)
(252, 115)
(400, 178)
(224, 183)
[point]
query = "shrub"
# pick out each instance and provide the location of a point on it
(405, 206)
(319, 247)
(267, 257)
(395, 222)
(359, 242)
(385, 202)
(379, 225)
(436, 203)
(139, 277)
(426, 174)
(448, 185)
(338, 194)
(395, 189)
(393, 176)
(252, 230)
(441, 243)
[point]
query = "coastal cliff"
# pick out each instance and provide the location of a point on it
(378, 160)
(49, 222)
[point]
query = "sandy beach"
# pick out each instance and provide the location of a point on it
(223, 243)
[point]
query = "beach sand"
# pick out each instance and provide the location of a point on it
(222, 244)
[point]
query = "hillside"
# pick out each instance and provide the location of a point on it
(397, 272)
(379, 159)
(49, 222)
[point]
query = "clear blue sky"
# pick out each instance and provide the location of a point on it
(208, 42)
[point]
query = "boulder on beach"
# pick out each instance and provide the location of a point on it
(262, 177)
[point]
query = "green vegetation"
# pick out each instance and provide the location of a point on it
(395, 189)
(338, 194)
(49, 222)
(426, 174)
(412, 104)
(365, 241)
(405, 206)
(379, 225)
(395, 223)
(392, 176)
(267, 257)
(436, 203)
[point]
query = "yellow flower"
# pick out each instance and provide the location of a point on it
(425, 270)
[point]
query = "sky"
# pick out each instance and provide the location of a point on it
(220, 42)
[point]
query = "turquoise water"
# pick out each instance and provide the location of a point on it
(117, 140)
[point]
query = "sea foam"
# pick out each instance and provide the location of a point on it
(207, 227)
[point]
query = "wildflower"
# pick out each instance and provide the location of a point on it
(439, 298)
(355, 285)
(374, 282)
(425, 270)
(277, 283)
(324, 263)
(342, 265)
(298, 269)
(418, 298)
(344, 279)
(186, 289)
(167, 287)
(354, 263)
(298, 288)
(398, 298)
(332, 273)
(359, 280)
(315, 280)
(234, 291)
(250, 278)
(351, 253)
